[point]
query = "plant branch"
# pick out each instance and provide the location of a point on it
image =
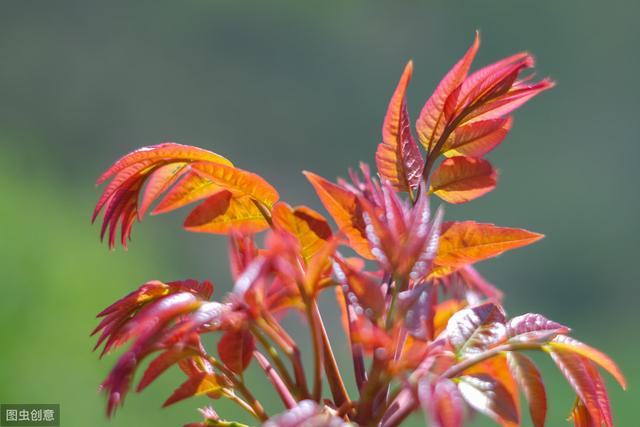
(278, 383)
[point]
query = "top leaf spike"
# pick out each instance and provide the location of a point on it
(468, 115)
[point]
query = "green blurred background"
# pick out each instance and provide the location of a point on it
(279, 87)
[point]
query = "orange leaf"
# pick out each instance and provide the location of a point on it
(432, 119)
(345, 210)
(468, 242)
(398, 158)
(478, 138)
(307, 225)
(192, 187)
(238, 180)
(222, 212)
(168, 151)
(461, 179)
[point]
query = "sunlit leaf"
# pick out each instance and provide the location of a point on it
(468, 242)
(433, 119)
(461, 179)
(478, 138)
(168, 151)
(234, 179)
(190, 188)
(307, 225)
(223, 212)
(345, 210)
(398, 158)
(159, 181)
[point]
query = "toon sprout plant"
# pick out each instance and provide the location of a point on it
(426, 331)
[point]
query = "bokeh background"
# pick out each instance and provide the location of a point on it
(279, 87)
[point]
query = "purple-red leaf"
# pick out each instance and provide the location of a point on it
(534, 327)
(476, 329)
(490, 397)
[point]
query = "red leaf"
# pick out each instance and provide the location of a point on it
(461, 179)
(398, 158)
(530, 381)
(161, 363)
(236, 349)
(345, 210)
(432, 119)
(197, 385)
(159, 182)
